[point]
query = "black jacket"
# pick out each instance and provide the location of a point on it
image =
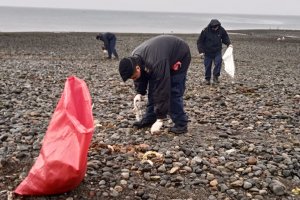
(157, 56)
(210, 41)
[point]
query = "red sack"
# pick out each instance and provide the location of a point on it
(62, 162)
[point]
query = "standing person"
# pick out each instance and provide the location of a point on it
(209, 43)
(159, 64)
(109, 40)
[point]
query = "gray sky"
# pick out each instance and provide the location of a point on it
(268, 7)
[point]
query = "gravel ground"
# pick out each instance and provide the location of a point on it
(243, 140)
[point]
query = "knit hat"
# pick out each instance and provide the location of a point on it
(127, 67)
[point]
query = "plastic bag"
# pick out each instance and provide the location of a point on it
(229, 62)
(62, 162)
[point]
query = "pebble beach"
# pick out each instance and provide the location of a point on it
(243, 141)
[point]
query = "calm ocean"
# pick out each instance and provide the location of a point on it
(67, 20)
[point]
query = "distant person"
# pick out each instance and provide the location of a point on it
(209, 43)
(160, 65)
(109, 40)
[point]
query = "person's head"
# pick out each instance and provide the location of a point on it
(215, 27)
(129, 68)
(99, 36)
(214, 24)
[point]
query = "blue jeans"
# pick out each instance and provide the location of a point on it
(112, 48)
(208, 60)
(177, 112)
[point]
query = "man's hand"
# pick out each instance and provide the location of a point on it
(201, 55)
(157, 126)
(230, 46)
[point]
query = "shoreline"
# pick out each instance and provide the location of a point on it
(233, 32)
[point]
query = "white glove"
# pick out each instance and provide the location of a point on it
(137, 107)
(230, 46)
(201, 55)
(156, 126)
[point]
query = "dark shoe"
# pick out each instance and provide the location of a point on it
(216, 79)
(178, 129)
(143, 123)
(207, 82)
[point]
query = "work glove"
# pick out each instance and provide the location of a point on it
(104, 49)
(201, 55)
(137, 107)
(157, 126)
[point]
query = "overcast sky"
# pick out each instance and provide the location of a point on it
(269, 7)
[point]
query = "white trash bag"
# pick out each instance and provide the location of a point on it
(139, 106)
(229, 62)
(138, 111)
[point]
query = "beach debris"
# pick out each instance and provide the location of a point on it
(296, 191)
(9, 195)
(97, 123)
(152, 154)
(147, 161)
(281, 38)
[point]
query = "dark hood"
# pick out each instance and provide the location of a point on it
(214, 22)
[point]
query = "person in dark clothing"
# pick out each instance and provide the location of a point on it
(209, 43)
(109, 40)
(160, 65)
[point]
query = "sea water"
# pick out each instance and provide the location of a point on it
(20, 19)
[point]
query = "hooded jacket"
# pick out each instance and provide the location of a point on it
(156, 58)
(210, 41)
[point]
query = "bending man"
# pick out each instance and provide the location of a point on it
(109, 40)
(160, 65)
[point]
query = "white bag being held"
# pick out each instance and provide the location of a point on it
(229, 62)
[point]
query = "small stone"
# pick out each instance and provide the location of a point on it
(174, 170)
(237, 183)
(125, 175)
(213, 183)
(252, 160)
(277, 188)
(247, 185)
(118, 188)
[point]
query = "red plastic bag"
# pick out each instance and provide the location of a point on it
(62, 161)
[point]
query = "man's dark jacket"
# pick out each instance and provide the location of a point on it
(157, 56)
(210, 41)
(106, 38)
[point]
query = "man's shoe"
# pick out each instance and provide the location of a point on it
(178, 129)
(216, 79)
(207, 82)
(143, 123)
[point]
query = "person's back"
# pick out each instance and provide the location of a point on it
(161, 49)
(108, 36)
